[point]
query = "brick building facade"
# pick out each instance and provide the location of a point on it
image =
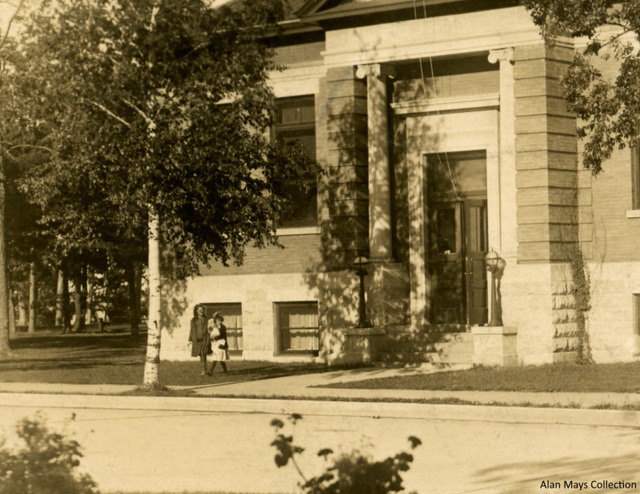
(443, 134)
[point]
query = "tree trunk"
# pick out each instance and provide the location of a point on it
(12, 317)
(65, 302)
(88, 314)
(59, 299)
(32, 298)
(5, 349)
(134, 275)
(154, 327)
(78, 324)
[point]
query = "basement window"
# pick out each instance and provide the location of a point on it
(297, 327)
(232, 313)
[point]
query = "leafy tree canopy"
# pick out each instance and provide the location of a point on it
(608, 105)
(158, 105)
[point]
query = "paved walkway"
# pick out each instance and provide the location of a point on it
(309, 387)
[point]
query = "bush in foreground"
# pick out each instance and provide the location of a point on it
(45, 464)
(351, 473)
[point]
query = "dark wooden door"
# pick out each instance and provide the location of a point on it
(475, 248)
(446, 262)
(458, 244)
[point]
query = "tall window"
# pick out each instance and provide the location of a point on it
(296, 123)
(232, 314)
(636, 313)
(635, 175)
(297, 329)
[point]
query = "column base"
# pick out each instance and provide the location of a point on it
(495, 345)
(351, 346)
(388, 294)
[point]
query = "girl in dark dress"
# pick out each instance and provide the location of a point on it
(199, 337)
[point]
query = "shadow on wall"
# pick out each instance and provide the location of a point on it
(344, 217)
(174, 288)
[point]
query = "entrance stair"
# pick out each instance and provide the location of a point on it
(437, 344)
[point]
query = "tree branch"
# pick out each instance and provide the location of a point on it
(15, 13)
(108, 112)
(31, 146)
(150, 122)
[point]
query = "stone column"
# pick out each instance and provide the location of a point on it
(380, 245)
(503, 235)
(420, 290)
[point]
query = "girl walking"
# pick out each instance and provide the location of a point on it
(199, 337)
(218, 337)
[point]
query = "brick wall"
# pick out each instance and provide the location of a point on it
(610, 194)
(300, 53)
(299, 254)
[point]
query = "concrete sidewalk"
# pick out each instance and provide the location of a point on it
(309, 387)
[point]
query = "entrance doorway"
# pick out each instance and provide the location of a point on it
(457, 238)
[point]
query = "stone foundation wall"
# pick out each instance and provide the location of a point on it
(257, 294)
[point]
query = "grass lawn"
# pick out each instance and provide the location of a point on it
(112, 358)
(614, 378)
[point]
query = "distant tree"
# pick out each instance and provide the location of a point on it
(609, 107)
(158, 114)
(19, 144)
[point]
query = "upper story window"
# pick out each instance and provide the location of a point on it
(296, 123)
(635, 175)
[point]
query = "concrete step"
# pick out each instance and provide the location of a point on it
(425, 347)
(437, 343)
(426, 357)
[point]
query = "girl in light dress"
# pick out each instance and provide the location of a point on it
(219, 345)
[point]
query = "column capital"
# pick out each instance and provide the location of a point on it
(375, 70)
(501, 55)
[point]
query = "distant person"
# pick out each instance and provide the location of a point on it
(199, 337)
(101, 317)
(220, 347)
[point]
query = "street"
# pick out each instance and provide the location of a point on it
(213, 449)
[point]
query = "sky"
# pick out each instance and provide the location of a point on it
(6, 10)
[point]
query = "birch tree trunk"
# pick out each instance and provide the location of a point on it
(32, 298)
(154, 326)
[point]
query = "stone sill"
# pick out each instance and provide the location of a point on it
(363, 331)
(633, 213)
(494, 330)
(302, 230)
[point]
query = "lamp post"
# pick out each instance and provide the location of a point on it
(492, 259)
(360, 263)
